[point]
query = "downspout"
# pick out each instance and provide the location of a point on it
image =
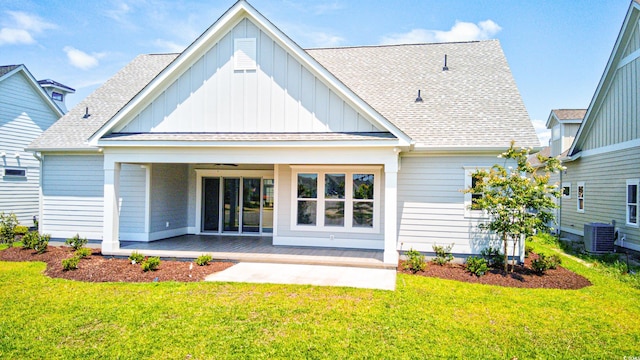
(41, 175)
(560, 205)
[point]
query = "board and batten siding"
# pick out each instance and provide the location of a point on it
(281, 95)
(319, 238)
(618, 118)
(169, 200)
(24, 115)
(431, 209)
(605, 178)
(72, 196)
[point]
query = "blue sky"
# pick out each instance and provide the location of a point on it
(557, 49)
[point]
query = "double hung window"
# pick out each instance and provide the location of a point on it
(633, 201)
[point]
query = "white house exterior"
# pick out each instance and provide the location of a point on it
(603, 162)
(26, 110)
(246, 133)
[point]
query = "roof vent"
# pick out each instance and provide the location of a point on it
(419, 99)
(445, 67)
(86, 113)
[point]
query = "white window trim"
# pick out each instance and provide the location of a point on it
(348, 200)
(4, 172)
(566, 184)
(468, 213)
(578, 185)
(627, 203)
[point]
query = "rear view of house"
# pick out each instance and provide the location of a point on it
(26, 110)
(244, 133)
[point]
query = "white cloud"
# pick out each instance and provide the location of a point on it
(460, 31)
(81, 59)
(543, 133)
(20, 28)
(169, 46)
(322, 39)
(119, 12)
(321, 9)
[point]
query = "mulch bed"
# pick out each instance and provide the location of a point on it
(98, 268)
(522, 277)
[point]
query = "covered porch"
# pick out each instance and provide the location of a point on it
(253, 249)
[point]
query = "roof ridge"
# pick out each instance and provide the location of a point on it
(398, 45)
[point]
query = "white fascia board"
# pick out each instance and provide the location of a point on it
(257, 144)
(552, 116)
(420, 148)
(607, 76)
(34, 84)
(65, 150)
(220, 28)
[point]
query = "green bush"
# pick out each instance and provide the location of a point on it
(36, 241)
(8, 223)
(443, 254)
(544, 263)
(136, 257)
(150, 264)
(477, 265)
(493, 256)
(415, 261)
(21, 230)
(76, 242)
(70, 263)
(83, 252)
(203, 259)
(528, 249)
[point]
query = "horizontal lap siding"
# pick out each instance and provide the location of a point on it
(133, 180)
(605, 179)
(431, 205)
(169, 196)
(72, 201)
(24, 115)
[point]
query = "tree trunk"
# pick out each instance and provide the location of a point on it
(506, 254)
(513, 264)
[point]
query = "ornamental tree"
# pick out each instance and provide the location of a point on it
(517, 201)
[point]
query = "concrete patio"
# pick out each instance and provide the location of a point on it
(257, 249)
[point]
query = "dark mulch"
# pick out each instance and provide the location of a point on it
(98, 268)
(522, 277)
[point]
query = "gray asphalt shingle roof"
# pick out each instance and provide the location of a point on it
(570, 114)
(5, 69)
(474, 104)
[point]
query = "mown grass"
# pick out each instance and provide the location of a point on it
(423, 318)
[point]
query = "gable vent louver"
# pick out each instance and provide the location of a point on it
(244, 54)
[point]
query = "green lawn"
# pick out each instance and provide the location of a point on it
(424, 318)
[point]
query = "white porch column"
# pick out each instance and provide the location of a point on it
(111, 225)
(390, 255)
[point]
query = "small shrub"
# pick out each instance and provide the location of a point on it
(70, 263)
(150, 264)
(83, 252)
(544, 263)
(136, 257)
(203, 259)
(443, 254)
(76, 242)
(8, 223)
(21, 230)
(415, 261)
(528, 249)
(36, 241)
(477, 265)
(493, 256)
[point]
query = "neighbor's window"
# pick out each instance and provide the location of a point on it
(57, 96)
(580, 196)
(17, 172)
(556, 132)
(566, 190)
(336, 199)
(633, 201)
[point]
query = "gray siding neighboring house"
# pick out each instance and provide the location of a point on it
(603, 162)
(245, 133)
(26, 110)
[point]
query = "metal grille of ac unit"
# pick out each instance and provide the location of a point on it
(598, 237)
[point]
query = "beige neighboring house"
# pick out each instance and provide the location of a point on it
(602, 180)
(246, 134)
(27, 108)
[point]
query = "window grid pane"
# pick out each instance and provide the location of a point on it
(334, 185)
(307, 186)
(334, 213)
(307, 210)
(363, 186)
(363, 214)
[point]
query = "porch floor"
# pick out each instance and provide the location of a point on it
(253, 249)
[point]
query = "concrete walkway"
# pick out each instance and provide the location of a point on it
(322, 275)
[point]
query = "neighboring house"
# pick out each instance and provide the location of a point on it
(246, 133)
(26, 110)
(603, 162)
